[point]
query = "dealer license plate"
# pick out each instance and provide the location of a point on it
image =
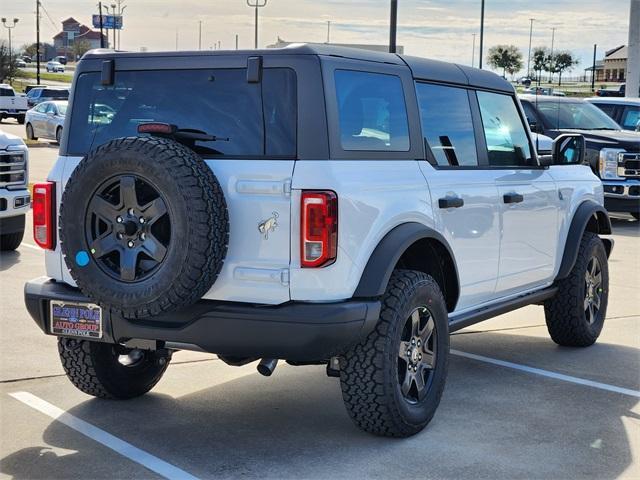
(76, 319)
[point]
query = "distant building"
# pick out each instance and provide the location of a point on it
(599, 71)
(615, 65)
(72, 31)
(376, 48)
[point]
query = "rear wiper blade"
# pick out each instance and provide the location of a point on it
(170, 130)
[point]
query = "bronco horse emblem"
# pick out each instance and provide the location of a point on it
(269, 225)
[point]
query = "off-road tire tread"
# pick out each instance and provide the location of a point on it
(367, 394)
(11, 241)
(208, 235)
(563, 313)
(79, 364)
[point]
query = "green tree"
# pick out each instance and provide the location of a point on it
(7, 68)
(563, 61)
(506, 57)
(539, 58)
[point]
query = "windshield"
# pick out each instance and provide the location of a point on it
(576, 115)
(55, 93)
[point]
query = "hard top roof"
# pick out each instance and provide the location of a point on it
(422, 68)
(550, 98)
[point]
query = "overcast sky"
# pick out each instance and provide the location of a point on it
(440, 29)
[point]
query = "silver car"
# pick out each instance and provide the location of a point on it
(46, 120)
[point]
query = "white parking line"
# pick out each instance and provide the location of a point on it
(549, 374)
(31, 246)
(114, 443)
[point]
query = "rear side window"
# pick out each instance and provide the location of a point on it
(507, 140)
(630, 118)
(372, 112)
(258, 119)
(55, 93)
(7, 92)
(447, 126)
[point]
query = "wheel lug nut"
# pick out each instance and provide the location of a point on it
(142, 236)
(419, 343)
(141, 220)
(119, 219)
(130, 244)
(130, 211)
(119, 236)
(413, 341)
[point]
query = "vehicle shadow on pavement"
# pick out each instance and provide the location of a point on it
(493, 422)
(8, 260)
(625, 228)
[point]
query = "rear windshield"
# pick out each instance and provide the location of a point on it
(47, 93)
(249, 119)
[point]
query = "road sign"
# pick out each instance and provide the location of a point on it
(108, 21)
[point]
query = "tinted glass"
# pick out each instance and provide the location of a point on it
(62, 108)
(630, 118)
(576, 115)
(7, 92)
(447, 126)
(372, 112)
(55, 93)
(41, 108)
(608, 109)
(505, 134)
(257, 118)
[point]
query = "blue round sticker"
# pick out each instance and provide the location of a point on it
(82, 258)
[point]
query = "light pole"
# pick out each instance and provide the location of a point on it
(10, 27)
(551, 62)
(328, 31)
(120, 12)
(199, 34)
(256, 4)
(473, 50)
(529, 57)
(481, 34)
(393, 26)
(113, 7)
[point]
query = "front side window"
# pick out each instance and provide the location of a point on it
(372, 112)
(447, 126)
(250, 119)
(504, 132)
(41, 108)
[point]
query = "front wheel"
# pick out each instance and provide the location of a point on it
(392, 381)
(20, 119)
(30, 132)
(110, 371)
(11, 241)
(575, 315)
(58, 135)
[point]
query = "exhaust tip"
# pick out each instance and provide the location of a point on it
(267, 366)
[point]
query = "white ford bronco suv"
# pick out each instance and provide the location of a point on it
(313, 204)
(14, 192)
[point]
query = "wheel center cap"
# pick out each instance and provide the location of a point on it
(130, 227)
(414, 355)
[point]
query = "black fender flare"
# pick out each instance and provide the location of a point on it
(385, 256)
(585, 212)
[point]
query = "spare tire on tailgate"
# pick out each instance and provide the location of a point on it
(143, 226)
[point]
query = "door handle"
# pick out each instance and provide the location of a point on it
(450, 202)
(512, 198)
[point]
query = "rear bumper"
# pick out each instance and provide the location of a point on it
(293, 331)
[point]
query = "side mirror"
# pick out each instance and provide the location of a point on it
(569, 149)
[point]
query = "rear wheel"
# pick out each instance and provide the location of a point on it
(393, 380)
(30, 134)
(20, 119)
(110, 371)
(58, 135)
(575, 315)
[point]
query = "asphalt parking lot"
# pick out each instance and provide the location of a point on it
(515, 406)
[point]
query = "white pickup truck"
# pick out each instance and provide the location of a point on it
(12, 105)
(14, 194)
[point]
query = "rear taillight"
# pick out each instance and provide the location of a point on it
(43, 214)
(318, 228)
